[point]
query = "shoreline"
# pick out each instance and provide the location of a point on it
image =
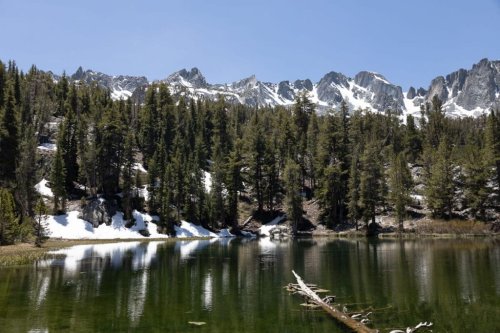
(26, 253)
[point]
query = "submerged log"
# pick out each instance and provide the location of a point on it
(340, 316)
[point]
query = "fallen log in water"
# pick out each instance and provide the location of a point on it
(340, 316)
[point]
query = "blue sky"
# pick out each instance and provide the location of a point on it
(410, 42)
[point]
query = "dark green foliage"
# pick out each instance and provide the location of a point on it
(293, 198)
(109, 144)
(57, 180)
(234, 183)
(68, 146)
(9, 136)
(440, 187)
(128, 163)
(349, 161)
(400, 184)
(40, 228)
(8, 220)
(370, 184)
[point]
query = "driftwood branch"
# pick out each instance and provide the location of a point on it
(340, 316)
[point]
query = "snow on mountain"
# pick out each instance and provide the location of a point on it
(464, 92)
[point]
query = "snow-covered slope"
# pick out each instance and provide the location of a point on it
(464, 92)
(70, 226)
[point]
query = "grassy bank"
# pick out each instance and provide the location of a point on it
(27, 253)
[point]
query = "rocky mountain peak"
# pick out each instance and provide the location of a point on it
(193, 77)
(463, 92)
(78, 74)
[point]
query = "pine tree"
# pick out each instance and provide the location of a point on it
(400, 185)
(57, 180)
(128, 163)
(26, 172)
(329, 195)
(166, 219)
(40, 226)
(477, 174)
(413, 141)
(9, 139)
(355, 211)
(440, 187)
(370, 184)
(218, 215)
(2, 84)
(8, 218)
(255, 154)
(492, 147)
(68, 146)
(293, 198)
(109, 151)
(148, 125)
(234, 183)
(312, 149)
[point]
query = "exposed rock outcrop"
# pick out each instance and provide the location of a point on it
(98, 211)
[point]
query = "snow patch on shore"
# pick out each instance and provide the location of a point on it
(70, 226)
(266, 228)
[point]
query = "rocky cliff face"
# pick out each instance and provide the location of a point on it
(474, 90)
(463, 92)
(121, 86)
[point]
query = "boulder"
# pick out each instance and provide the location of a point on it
(98, 211)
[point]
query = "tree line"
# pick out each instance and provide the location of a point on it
(355, 163)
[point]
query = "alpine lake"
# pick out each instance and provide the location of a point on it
(237, 285)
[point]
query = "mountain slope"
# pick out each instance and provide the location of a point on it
(463, 92)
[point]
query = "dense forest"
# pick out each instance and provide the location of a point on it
(356, 164)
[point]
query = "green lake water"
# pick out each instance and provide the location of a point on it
(236, 285)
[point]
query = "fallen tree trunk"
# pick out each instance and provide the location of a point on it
(341, 317)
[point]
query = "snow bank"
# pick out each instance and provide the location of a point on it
(140, 167)
(48, 146)
(192, 230)
(266, 228)
(43, 189)
(224, 233)
(207, 180)
(69, 226)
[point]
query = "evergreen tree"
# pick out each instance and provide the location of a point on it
(234, 183)
(128, 163)
(255, 155)
(9, 138)
(148, 125)
(26, 172)
(109, 151)
(167, 221)
(400, 185)
(8, 218)
(440, 187)
(329, 195)
(293, 198)
(312, 149)
(413, 141)
(40, 227)
(355, 211)
(68, 146)
(218, 213)
(477, 174)
(2, 84)
(57, 180)
(370, 184)
(492, 147)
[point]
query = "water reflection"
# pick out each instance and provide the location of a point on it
(236, 285)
